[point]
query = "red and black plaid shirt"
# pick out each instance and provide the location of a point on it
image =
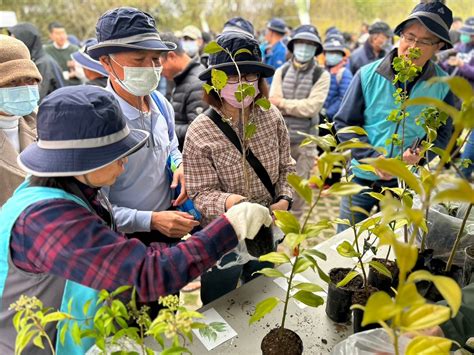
(61, 237)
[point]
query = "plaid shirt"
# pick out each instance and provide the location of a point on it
(213, 165)
(62, 238)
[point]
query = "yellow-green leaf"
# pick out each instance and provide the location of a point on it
(462, 192)
(269, 272)
(308, 286)
(300, 187)
(428, 345)
(262, 308)
(350, 275)
(218, 79)
(275, 257)
(308, 298)
(76, 333)
(302, 264)
(38, 341)
(345, 189)
(346, 250)
(459, 86)
(212, 48)
(396, 168)
(263, 103)
(423, 317)
(314, 252)
(54, 317)
(287, 222)
(448, 288)
(250, 130)
(381, 268)
(358, 209)
(242, 50)
(292, 240)
(443, 106)
(380, 307)
(408, 296)
(352, 129)
(207, 88)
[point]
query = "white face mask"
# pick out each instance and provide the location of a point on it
(304, 52)
(80, 72)
(190, 47)
(139, 81)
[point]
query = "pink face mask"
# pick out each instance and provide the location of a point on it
(228, 94)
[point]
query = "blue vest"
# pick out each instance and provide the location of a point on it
(23, 197)
(379, 102)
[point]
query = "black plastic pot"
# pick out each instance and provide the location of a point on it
(436, 267)
(424, 258)
(361, 297)
(468, 264)
(262, 243)
(382, 282)
(281, 341)
(339, 300)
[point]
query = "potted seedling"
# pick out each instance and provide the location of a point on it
(263, 241)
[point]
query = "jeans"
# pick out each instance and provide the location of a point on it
(468, 154)
(217, 282)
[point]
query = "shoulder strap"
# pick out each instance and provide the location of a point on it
(317, 71)
(251, 158)
(284, 70)
(164, 112)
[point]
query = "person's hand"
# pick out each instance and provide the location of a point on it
(433, 332)
(382, 174)
(247, 218)
(174, 224)
(178, 177)
(412, 157)
(232, 200)
(275, 100)
(281, 205)
(455, 62)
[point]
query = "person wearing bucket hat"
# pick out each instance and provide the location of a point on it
(239, 24)
(213, 163)
(47, 66)
(89, 70)
(19, 96)
(274, 50)
(375, 47)
(129, 48)
(299, 90)
(83, 144)
(369, 101)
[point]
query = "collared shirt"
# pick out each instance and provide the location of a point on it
(144, 187)
(63, 238)
(213, 165)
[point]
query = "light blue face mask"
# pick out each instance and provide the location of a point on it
(190, 47)
(304, 52)
(19, 100)
(333, 59)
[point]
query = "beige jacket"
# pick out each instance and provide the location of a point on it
(10, 173)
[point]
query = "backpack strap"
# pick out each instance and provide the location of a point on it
(161, 107)
(251, 158)
(284, 70)
(317, 71)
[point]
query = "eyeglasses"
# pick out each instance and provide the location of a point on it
(418, 42)
(234, 79)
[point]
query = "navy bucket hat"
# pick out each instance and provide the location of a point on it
(435, 17)
(247, 62)
(468, 27)
(80, 129)
(306, 32)
(127, 29)
(86, 61)
(334, 43)
(277, 25)
(239, 24)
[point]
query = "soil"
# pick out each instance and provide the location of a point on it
(382, 282)
(361, 297)
(262, 243)
(282, 341)
(336, 275)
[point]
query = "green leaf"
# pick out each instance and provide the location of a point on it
(292, 240)
(212, 48)
(76, 333)
(448, 288)
(315, 253)
(423, 317)
(308, 298)
(345, 189)
(120, 290)
(287, 222)
(208, 88)
(85, 308)
(250, 130)
(218, 79)
(459, 86)
(300, 187)
(302, 264)
(350, 275)
(269, 272)
(408, 296)
(263, 103)
(38, 341)
(308, 286)
(62, 332)
(275, 257)
(381, 268)
(54, 317)
(346, 250)
(322, 275)
(380, 307)
(352, 129)
(358, 209)
(396, 168)
(242, 50)
(441, 105)
(69, 305)
(264, 307)
(428, 345)
(175, 350)
(462, 191)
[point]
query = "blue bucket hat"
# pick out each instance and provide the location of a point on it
(435, 17)
(127, 29)
(80, 129)
(247, 62)
(468, 27)
(277, 25)
(86, 61)
(239, 24)
(306, 32)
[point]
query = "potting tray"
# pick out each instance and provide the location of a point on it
(318, 332)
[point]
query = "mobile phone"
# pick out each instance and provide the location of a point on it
(415, 145)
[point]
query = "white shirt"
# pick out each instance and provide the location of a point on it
(9, 126)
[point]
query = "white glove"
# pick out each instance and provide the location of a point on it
(247, 218)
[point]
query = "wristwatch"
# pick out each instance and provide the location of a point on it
(286, 198)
